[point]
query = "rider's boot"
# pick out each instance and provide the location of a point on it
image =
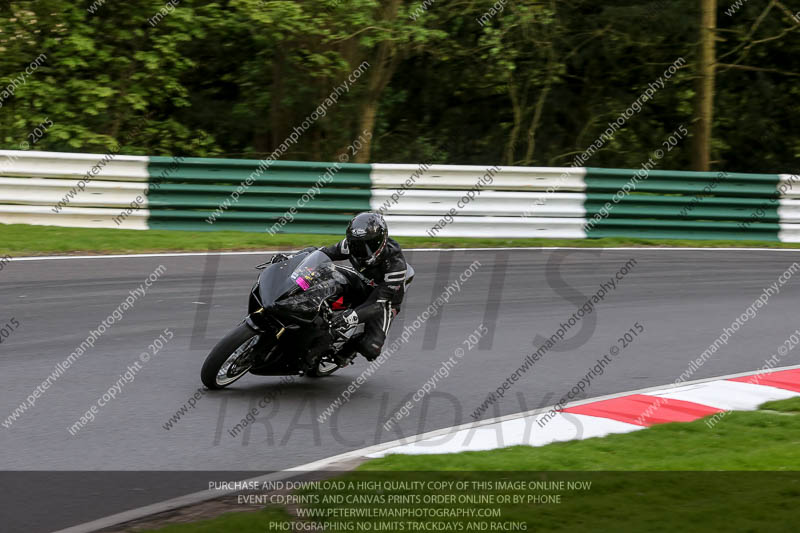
(347, 353)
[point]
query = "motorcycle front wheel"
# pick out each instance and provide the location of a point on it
(231, 358)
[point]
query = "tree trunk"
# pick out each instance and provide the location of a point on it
(516, 107)
(539, 108)
(369, 109)
(380, 72)
(704, 101)
(368, 113)
(535, 122)
(276, 113)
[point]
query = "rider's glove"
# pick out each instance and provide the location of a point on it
(344, 320)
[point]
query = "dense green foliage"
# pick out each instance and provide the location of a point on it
(535, 84)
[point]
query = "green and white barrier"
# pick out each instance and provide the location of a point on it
(71, 190)
(93, 190)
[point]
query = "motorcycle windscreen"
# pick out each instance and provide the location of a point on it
(312, 280)
(305, 305)
(275, 280)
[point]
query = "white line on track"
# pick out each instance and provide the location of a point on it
(269, 252)
(331, 463)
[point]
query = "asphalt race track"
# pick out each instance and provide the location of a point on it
(682, 298)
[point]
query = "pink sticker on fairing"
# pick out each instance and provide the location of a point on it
(303, 283)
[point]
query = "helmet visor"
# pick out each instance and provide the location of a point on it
(365, 249)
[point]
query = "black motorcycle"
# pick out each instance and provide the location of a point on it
(287, 330)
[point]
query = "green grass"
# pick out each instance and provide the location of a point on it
(739, 475)
(791, 405)
(740, 440)
(21, 239)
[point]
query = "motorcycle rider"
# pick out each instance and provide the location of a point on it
(380, 259)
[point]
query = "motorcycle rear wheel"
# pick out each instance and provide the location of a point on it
(231, 358)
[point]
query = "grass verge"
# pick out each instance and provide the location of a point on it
(22, 239)
(741, 440)
(739, 475)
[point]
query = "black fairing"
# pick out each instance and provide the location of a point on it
(275, 280)
(293, 290)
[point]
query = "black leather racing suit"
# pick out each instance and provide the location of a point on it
(382, 304)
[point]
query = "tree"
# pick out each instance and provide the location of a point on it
(704, 102)
(459, 82)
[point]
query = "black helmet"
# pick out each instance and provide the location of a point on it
(366, 237)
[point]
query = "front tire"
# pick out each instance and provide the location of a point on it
(231, 358)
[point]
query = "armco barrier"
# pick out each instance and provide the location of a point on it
(417, 200)
(682, 205)
(76, 190)
(461, 177)
(231, 194)
(606, 202)
(71, 166)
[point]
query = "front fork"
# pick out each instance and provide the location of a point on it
(270, 330)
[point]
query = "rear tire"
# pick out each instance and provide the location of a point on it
(244, 339)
